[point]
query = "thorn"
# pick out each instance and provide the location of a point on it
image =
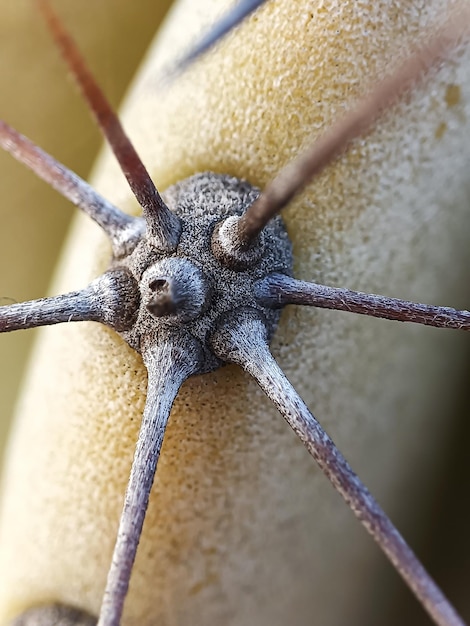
(58, 614)
(329, 146)
(233, 18)
(123, 230)
(241, 338)
(163, 226)
(169, 363)
(111, 299)
(278, 290)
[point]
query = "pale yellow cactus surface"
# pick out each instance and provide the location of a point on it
(242, 529)
(39, 100)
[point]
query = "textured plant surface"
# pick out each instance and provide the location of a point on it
(214, 598)
(38, 99)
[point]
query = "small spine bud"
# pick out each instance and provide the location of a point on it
(175, 290)
(231, 250)
(49, 614)
(117, 299)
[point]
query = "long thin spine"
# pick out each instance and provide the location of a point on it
(162, 224)
(242, 339)
(278, 290)
(111, 299)
(323, 150)
(122, 229)
(230, 20)
(169, 364)
(75, 306)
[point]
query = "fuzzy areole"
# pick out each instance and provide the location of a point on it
(202, 202)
